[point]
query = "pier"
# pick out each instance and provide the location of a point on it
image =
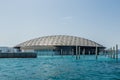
(18, 55)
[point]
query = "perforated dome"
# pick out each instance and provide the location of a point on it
(59, 40)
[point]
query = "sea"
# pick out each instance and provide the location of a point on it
(60, 68)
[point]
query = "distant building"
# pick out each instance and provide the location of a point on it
(8, 50)
(60, 44)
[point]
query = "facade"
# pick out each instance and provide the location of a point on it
(8, 50)
(60, 45)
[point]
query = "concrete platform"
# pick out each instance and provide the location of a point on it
(18, 55)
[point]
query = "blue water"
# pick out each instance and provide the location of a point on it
(60, 68)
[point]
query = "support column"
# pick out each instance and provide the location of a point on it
(83, 52)
(61, 52)
(89, 52)
(113, 52)
(76, 52)
(96, 52)
(72, 52)
(79, 52)
(116, 52)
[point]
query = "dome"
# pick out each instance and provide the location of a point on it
(59, 40)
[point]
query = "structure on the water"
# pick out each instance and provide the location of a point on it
(18, 55)
(60, 45)
(8, 50)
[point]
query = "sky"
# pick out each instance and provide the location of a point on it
(96, 20)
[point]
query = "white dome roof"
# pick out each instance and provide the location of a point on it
(59, 40)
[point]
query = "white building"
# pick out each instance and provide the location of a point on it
(7, 50)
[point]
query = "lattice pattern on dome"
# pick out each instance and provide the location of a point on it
(59, 40)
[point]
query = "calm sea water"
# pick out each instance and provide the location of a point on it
(60, 68)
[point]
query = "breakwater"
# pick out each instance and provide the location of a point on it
(18, 55)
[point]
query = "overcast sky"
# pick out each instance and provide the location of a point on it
(97, 20)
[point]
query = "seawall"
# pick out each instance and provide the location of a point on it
(18, 55)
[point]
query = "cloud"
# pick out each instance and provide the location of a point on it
(66, 20)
